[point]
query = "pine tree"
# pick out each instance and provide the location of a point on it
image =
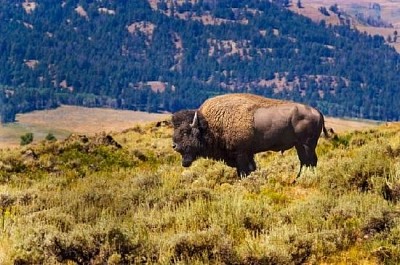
(299, 4)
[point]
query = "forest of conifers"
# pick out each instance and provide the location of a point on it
(106, 57)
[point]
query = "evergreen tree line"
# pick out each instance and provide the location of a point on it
(55, 56)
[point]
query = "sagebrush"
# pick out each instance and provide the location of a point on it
(125, 199)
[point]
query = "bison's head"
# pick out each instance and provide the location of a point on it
(187, 136)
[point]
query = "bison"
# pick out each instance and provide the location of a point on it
(234, 127)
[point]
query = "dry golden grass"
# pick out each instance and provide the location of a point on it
(72, 119)
(346, 125)
(88, 120)
(88, 200)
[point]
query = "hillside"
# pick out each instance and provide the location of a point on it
(164, 56)
(125, 199)
(381, 17)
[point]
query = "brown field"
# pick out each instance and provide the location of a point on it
(390, 9)
(72, 119)
(390, 12)
(346, 125)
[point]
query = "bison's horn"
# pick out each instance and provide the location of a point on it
(194, 123)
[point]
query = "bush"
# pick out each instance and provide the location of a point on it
(84, 245)
(50, 137)
(26, 139)
(208, 246)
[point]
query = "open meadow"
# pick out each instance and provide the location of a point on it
(124, 198)
(65, 120)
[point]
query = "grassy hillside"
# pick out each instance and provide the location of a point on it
(125, 199)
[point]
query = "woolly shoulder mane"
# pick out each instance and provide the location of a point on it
(231, 117)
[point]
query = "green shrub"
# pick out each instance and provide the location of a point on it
(26, 139)
(50, 137)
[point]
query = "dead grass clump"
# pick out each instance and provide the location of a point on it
(393, 152)
(84, 245)
(253, 183)
(209, 246)
(140, 155)
(379, 224)
(283, 245)
(137, 129)
(255, 260)
(329, 242)
(391, 192)
(387, 254)
(97, 198)
(80, 247)
(358, 141)
(254, 223)
(6, 201)
(388, 250)
(63, 222)
(300, 250)
(146, 181)
(192, 194)
(26, 198)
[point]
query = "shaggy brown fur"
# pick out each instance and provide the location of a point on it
(231, 116)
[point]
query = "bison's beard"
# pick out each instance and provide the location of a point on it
(187, 161)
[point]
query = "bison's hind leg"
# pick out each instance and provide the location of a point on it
(307, 156)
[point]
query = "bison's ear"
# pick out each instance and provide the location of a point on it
(195, 122)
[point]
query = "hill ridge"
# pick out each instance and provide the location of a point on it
(131, 55)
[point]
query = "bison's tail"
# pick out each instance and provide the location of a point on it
(327, 132)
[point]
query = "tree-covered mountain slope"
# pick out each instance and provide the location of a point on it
(163, 56)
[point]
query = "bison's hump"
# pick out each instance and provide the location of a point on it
(231, 117)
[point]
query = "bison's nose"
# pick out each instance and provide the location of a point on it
(186, 163)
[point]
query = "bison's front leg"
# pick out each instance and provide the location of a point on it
(245, 164)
